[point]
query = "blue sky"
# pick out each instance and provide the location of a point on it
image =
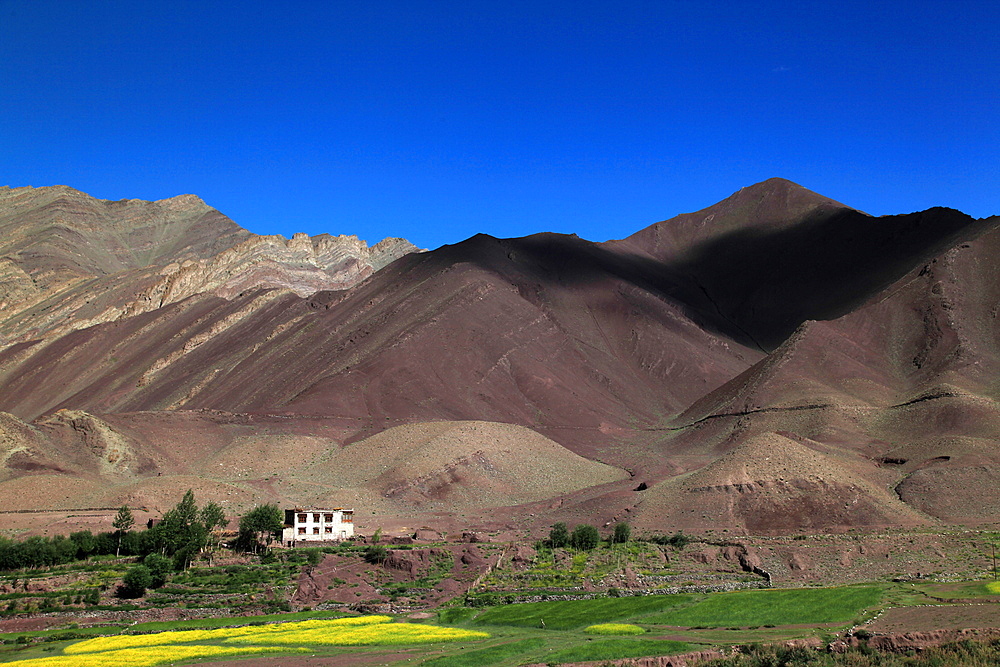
(437, 120)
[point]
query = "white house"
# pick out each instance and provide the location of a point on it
(317, 525)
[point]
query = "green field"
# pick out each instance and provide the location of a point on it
(487, 656)
(614, 649)
(773, 607)
(572, 614)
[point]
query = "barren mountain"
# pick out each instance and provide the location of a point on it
(68, 261)
(787, 360)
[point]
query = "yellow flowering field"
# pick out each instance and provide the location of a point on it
(147, 656)
(162, 647)
(993, 587)
(614, 629)
(369, 635)
(255, 632)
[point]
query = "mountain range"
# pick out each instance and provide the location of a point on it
(776, 363)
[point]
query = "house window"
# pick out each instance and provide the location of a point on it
(329, 529)
(347, 518)
(303, 518)
(302, 531)
(316, 530)
(328, 517)
(315, 518)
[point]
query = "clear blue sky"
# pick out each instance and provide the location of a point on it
(437, 120)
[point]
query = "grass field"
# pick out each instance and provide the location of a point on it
(959, 590)
(773, 607)
(572, 614)
(488, 656)
(614, 649)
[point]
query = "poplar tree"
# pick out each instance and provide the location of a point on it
(122, 524)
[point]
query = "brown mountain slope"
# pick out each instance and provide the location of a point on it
(936, 325)
(141, 459)
(773, 255)
(625, 353)
(532, 331)
(904, 387)
(770, 483)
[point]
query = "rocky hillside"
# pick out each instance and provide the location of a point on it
(788, 361)
(69, 261)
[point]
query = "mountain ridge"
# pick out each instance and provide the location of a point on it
(779, 319)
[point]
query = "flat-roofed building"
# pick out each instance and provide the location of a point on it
(317, 525)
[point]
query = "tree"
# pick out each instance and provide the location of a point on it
(621, 534)
(376, 554)
(213, 516)
(180, 533)
(159, 569)
(585, 537)
(86, 543)
(263, 522)
(135, 582)
(122, 524)
(559, 536)
(187, 509)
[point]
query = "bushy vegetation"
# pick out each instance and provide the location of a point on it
(678, 540)
(259, 527)
(585, 537)
(559, 536)
(135, 582)
(180, 535)
(621, 533)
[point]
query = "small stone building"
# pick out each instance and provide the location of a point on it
(317, 525)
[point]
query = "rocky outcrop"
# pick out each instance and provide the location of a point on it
(110, 450)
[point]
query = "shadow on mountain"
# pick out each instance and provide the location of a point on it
(755, 287)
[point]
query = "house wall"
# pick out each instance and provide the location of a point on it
(318, 525)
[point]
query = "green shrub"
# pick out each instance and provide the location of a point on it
(621, 534)
(559, 536)
(376, 554)
(135, 582)
(585, 537)
(159, 569)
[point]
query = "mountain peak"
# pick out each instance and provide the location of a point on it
(777, 195)
(769, 205)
